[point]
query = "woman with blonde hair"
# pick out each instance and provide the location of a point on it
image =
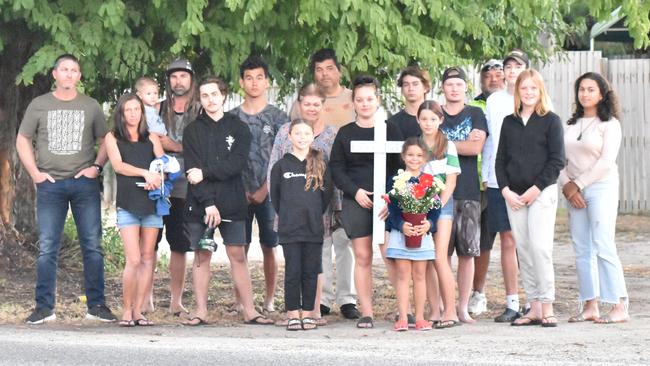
(528, 163)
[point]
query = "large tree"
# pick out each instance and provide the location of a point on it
(120, 40)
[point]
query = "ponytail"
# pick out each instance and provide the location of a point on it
(315, 170)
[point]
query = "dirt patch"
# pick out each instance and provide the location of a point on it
(17, 283)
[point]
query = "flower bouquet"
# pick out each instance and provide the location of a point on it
(415, 196)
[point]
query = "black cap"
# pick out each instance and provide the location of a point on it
(519, 56)
(454, 72)
(179, 64)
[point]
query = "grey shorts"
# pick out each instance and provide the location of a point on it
(356, 220)
(233, 233)
(466, 229)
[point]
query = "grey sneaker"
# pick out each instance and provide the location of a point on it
(40, 316)
(101, 313)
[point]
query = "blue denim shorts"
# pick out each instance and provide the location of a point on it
(126, 218)
(447, 211)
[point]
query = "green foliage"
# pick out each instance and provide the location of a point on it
(120, 40)
(114, 258)
(112, 248)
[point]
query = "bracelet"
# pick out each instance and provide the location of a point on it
(100, 168)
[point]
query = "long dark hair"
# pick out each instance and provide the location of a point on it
(439, 149)
(119, 128)
(192, 106)
(606, 108)
(315, 170)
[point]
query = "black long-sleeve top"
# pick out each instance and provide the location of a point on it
(530, 154)
(220, 149)
(300, 212)
(352, 171)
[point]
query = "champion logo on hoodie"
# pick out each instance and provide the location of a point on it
(289, 175)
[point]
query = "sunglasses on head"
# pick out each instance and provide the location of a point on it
(492, 66)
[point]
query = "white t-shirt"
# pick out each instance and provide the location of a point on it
(447, 165)
(499, 105)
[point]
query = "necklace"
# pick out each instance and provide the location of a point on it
(591, 122)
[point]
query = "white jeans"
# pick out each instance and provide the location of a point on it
(600, 274)
(533, 228)
(345, 291)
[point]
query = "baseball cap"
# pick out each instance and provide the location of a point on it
(179, 64)
(454, 72)
(519, 56)
(491, 65)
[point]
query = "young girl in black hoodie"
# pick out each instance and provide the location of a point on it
(301, 189)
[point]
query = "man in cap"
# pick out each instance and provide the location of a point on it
(177, 111)
(499, 105)
(464, 125)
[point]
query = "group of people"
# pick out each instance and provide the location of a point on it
(503, 158)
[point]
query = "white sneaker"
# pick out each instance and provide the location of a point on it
(477, 304)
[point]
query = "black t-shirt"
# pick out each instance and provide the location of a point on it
(406, 123)
(457, 128)
(352, 171)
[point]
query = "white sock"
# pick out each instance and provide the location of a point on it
(512, 302)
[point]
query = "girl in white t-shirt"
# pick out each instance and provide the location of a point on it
(444, 164)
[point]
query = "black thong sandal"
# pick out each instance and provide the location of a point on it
(259, 320)
(365, 322)
(547, 324)
(126, 323)
(448, 323)
(191, 323)
(143, 322)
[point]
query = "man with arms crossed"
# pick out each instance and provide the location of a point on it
(464, 125)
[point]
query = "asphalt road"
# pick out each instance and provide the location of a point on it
(486, 343)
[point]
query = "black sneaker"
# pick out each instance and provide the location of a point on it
(101, 313)
(349, 311)
(324, 310)
(508, 316)
(40, 316)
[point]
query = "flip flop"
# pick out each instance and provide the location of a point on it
(580, 318)
(189, 322)
(294, 324)
(434, 323)
(321, 321)
(309, 323)
(530, 322)
(365, 322)
(126, 323)
(256, 321)
(449, 323)
(607, 319)
(549, 324)
(143, 322)
(401, 326)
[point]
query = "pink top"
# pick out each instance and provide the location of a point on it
(591, 148)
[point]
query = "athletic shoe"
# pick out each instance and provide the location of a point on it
(40, 316)
(324, 310)
(508, 316)
(477, 304)
(349, 311)
(101, 313)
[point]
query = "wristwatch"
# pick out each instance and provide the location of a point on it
(100, 168)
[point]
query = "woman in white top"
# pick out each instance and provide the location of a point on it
(589, 181)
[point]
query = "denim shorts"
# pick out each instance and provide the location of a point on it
(447, 211)
(126, 218)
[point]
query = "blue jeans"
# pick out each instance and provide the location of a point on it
(600, 274)
(53, 199)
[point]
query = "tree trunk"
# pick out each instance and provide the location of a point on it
(17, 192)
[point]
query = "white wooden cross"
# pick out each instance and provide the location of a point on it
(379, 148)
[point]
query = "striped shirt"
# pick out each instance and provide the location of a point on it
(447, 165)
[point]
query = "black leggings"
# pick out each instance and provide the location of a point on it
(303, 262)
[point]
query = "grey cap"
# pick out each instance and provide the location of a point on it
(179, 64)
(519, 56)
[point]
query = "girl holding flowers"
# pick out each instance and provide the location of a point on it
(413, 192)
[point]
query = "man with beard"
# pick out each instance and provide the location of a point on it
(177, 111)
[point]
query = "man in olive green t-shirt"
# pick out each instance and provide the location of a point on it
(66, 126)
